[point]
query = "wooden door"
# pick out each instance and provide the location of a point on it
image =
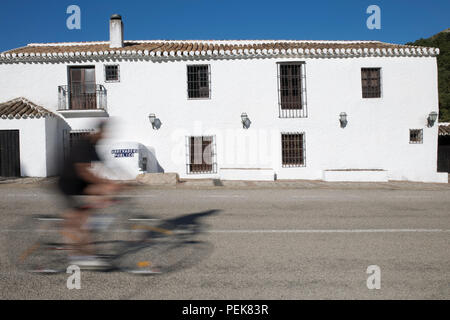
(9, 153)
(82, 88)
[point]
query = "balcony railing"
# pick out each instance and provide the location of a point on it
(82, 97)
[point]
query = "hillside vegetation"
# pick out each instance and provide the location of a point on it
(441, 41)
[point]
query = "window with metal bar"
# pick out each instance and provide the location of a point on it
(72, 140)
(293, 149)
(371, 82)
(415, 136)
(199, 82)
(112, 73)
(291, 90)
(201, 157)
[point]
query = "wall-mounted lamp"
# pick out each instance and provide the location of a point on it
(156, 123)
(432, 117)
(245, 121)
(343, 119)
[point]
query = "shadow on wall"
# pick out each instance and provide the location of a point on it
(153, 166)
(62, 143)
(125, 160)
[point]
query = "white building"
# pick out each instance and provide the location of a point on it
(322, 110)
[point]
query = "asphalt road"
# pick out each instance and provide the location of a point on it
(315, 241)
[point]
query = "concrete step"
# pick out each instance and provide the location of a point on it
(355, 175)
(156, 179)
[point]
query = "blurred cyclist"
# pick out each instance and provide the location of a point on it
(77, 179)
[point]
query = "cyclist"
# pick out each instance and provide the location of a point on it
(78, 179)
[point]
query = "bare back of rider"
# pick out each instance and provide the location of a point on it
(78, 180)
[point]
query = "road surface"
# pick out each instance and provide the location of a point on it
(310, 242)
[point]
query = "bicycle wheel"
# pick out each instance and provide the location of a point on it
(162, 256)
(45, 258)
(108, 234)
(40, 248)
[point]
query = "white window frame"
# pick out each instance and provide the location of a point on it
(420, 135)
(209, 80)
(118, 72)
(213, 155)
(287, 166)
(294, 113)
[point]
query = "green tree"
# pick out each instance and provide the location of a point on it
(441, 41)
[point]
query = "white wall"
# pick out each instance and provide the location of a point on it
(32, 142)
(377, 135)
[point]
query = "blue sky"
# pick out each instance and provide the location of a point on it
(30, 21)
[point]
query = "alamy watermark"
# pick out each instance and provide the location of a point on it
(74, 280)
(374, 280)
(73, 22)
(374, 20)
(236, 147)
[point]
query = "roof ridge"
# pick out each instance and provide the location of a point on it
(68, 44)
(78, 43)
(38, 110)
(187, 49)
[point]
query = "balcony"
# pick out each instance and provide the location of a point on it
(82, 100)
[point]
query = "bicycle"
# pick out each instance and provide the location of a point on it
(137, 244)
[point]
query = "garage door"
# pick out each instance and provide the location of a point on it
(9, 153)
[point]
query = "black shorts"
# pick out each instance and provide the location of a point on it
(71, 188)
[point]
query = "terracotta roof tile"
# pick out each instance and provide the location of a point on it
(444, 129)
(21, 108)
(52, 49)
(192, 46)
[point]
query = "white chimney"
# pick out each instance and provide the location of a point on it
(116, 31)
